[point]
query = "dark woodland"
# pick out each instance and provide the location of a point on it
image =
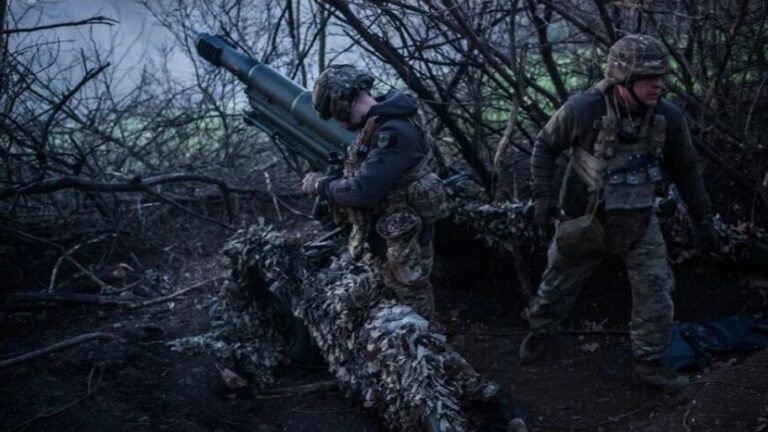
(126, 183)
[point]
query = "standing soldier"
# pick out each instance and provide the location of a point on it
(621, 136)
(388, 193)
(392, 198)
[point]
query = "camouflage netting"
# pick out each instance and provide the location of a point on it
(381, 351)
(497, 223)
(245, 327)
(507, 225)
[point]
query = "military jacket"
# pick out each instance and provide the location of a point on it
(581, 123)
(386, 172)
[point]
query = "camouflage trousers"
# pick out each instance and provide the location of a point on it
(650, 278)
(416, 293)
(407, 262)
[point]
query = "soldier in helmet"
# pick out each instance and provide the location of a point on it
(622, 138)
(388, 193)
(392, 199)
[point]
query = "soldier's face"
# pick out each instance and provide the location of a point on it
(649, 89)
(358, 108)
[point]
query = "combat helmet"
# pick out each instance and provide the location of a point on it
(634, 56)
(335, 89)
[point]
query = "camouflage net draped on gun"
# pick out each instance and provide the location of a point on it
(380, 351)
(245, 326)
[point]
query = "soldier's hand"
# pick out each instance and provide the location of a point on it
(544, 212)
(309, 184)
(705, 237)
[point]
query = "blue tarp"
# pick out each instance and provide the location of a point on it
(694, 342)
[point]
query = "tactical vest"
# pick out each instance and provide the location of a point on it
(631, 169)
(622, 176)
(419, 191)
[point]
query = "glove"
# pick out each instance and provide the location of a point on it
(310, 182)
(705, 237)
(544, 213)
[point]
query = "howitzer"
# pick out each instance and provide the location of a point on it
(279, 107)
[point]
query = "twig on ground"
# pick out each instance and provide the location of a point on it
(174, 295)
(298, 390)
(58, 346)
(102, 285)
(68, 255)
(31, 298)
(36, 298)
(91, 390)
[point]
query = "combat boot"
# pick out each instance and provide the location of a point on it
(503, 414)
(533, 347)
(656, 374)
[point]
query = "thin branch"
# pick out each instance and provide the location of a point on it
(173, 295)
(68, 255)
(59, 346)
(88, 21)
(136, 184)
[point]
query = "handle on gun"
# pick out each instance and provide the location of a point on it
(334, 169)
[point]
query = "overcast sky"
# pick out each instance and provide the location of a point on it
(135, 37)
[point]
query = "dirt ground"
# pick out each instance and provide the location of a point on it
(139, 384)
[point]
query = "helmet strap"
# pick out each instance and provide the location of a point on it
(631, 88)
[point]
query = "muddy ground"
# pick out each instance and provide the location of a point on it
(139, 384)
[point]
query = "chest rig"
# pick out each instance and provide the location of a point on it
(418, 191)
(623, 172)
(631, 168)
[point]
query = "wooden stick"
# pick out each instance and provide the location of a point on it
(65, 298)
(94, 299)
(58, 346)
(68, 255)
(102, 285)
(174, 295)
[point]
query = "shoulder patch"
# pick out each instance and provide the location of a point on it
(386, 139)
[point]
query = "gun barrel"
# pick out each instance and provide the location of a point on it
(275, 88)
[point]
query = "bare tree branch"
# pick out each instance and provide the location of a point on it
(88, 21)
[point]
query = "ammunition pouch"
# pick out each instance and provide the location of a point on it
(632, 186)
(400, 230)
(582, 236)
(421, 190)
(427, 196)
